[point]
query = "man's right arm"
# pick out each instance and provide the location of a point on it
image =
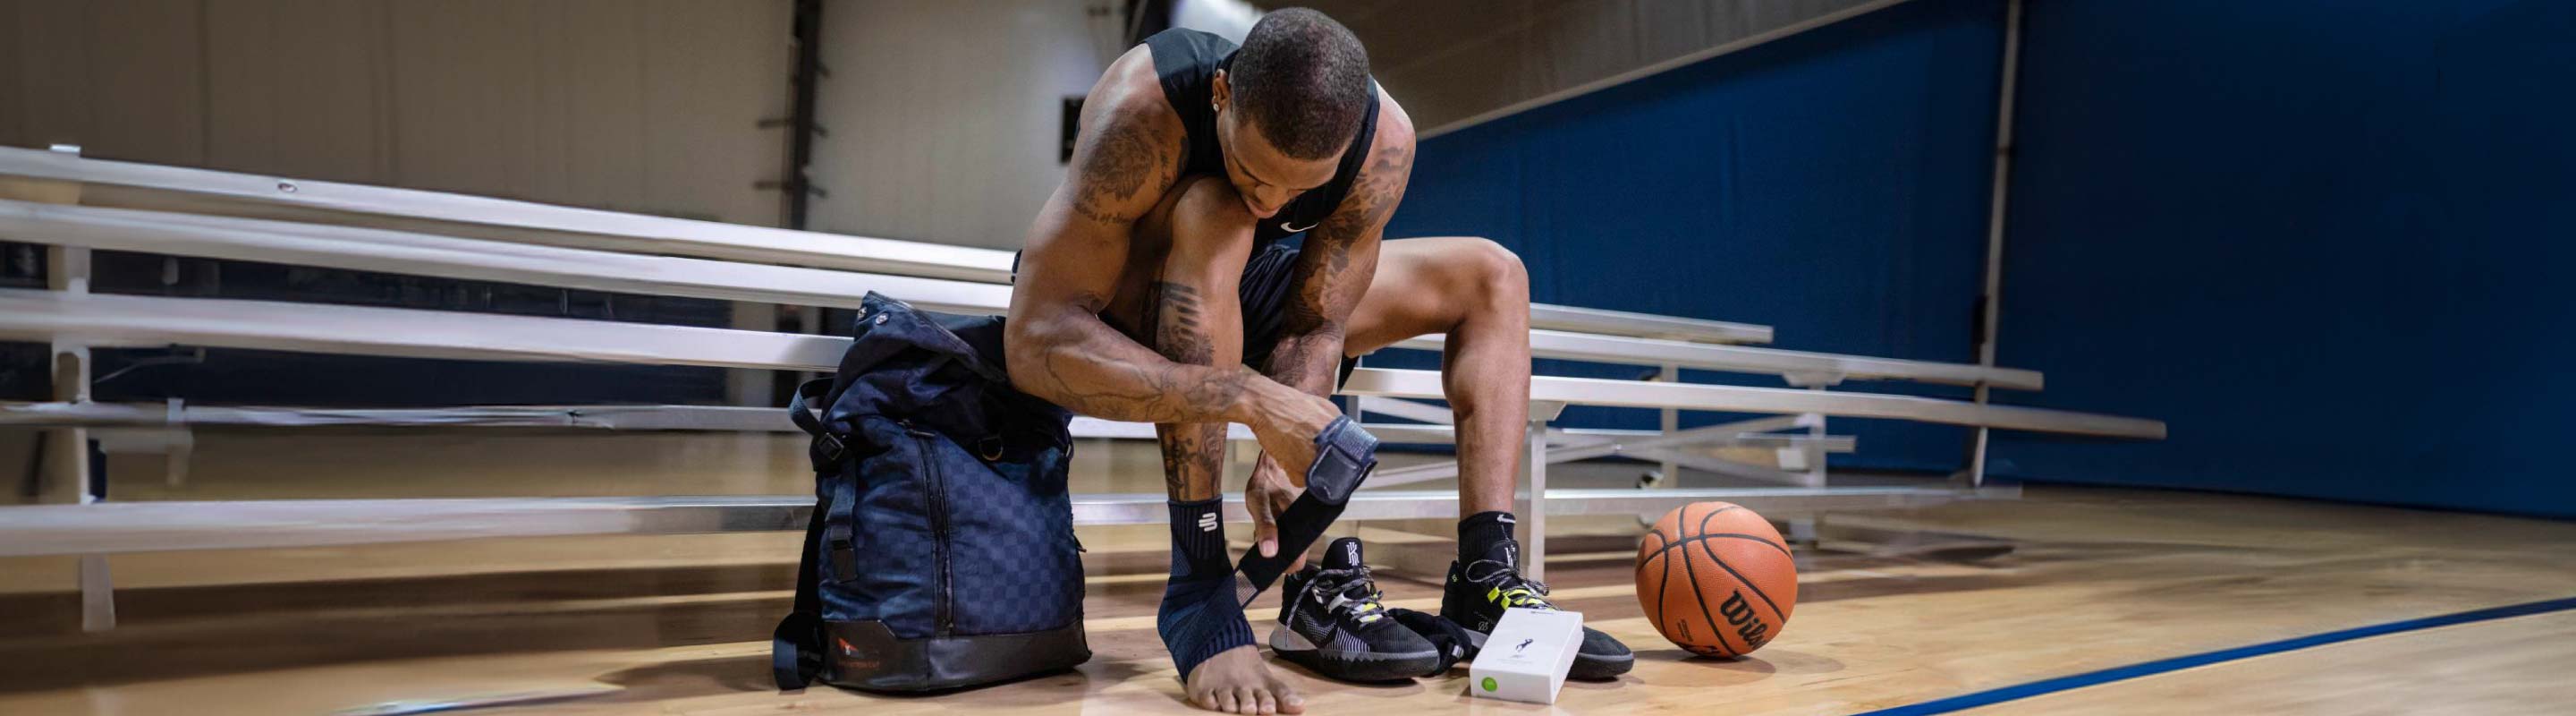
(1058, 348)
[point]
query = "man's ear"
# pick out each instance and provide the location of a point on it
(1221, 90)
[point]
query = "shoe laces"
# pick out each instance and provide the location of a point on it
(1506, 585)
(1350, 591)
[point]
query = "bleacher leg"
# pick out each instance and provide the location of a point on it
(1977, 458)
(1671, 471)
(1814, 450)
(68, 467)
(1532, 502)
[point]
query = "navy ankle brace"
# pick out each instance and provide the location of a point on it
(1199, 617)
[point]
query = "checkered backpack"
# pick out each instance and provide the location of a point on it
(940, 553)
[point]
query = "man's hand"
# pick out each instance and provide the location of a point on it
(1286, 421)
(1267, 495)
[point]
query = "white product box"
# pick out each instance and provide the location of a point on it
(1526, 657)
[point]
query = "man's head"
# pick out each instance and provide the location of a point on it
(1289, 106)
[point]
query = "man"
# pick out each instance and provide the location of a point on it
(1155, 288)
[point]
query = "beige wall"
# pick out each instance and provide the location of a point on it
(945, 115)
(1449, 60)
(636, 105)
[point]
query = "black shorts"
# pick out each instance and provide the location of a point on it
(1268, 278)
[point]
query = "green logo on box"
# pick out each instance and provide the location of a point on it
(1489, 683)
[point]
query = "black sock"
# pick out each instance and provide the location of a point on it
(1484, 535)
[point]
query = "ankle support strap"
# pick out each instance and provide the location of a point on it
(1344, 456)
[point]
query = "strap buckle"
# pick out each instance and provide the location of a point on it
(829, 450)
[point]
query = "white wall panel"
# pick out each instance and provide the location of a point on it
(945, 116)
(649, 106)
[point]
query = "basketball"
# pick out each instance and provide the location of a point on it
(1716, 579)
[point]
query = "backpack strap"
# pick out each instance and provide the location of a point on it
(827, 449)
(796, 646)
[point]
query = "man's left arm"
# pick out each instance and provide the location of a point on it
(1332, 273)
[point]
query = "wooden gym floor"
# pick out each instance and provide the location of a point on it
(2100, 578)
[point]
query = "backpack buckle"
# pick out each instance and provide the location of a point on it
(828, 449)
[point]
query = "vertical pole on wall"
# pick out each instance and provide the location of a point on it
(1990, 303)
(796, 194)
(801, 127)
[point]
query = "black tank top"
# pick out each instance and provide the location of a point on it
(1187, 61)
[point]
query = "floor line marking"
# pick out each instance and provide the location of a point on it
(2150, 668)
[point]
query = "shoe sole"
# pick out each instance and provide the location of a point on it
(1350, 665)
(1586, 667)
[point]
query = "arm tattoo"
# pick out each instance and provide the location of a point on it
(1128, 156)
(1076, 373)
(1329, 285)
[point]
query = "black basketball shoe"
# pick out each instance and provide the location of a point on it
(1331, 621)
(1479, 591)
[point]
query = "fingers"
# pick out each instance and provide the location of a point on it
(1265, 527)
(1266, 496)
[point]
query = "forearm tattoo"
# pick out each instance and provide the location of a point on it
(1091, 369)
(1330, 282)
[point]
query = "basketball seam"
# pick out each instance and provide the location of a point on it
(1748, 584)
(1784, 551)
(1704, 614)
(1661, 585)
(1664, 585)
(1703, 530)
(1739, 576)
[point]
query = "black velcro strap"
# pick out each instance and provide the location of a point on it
(1344, 456)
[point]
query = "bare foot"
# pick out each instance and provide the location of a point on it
(1235, 681)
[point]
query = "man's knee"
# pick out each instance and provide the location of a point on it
(1493, 272)
(1209, 223)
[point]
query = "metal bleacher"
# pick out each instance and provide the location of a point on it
(76, 205)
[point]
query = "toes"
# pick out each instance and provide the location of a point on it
(1222, 700)
(1245, 701)
(1289, 701)
(1269, 704)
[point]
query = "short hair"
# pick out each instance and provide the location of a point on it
(1303, 80)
